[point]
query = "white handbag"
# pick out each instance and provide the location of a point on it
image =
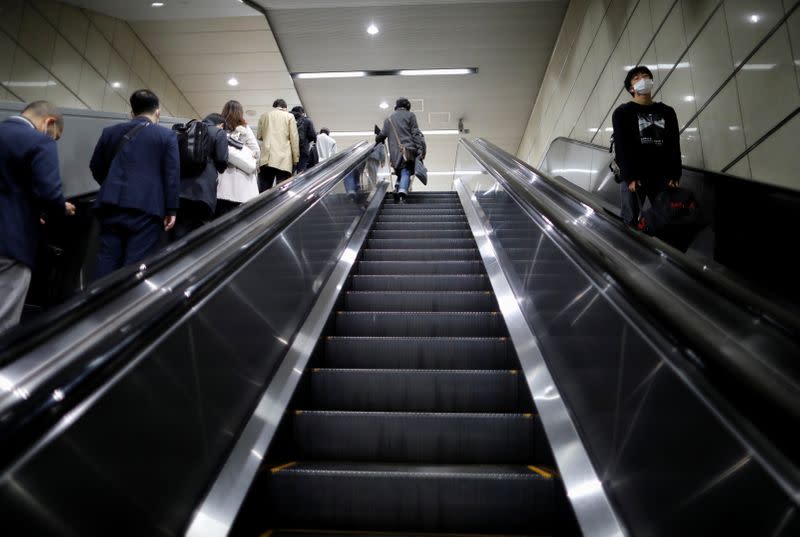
(242, 159)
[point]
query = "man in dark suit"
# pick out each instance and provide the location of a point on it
(30, 184)
(138, 167)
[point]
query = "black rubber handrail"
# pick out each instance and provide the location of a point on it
(726, 286)
(27, 418)
(32, 333)
(765, 388)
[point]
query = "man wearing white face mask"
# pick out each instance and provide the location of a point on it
(647, 145)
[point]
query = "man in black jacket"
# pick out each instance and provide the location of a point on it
(199, 194)
(647, 145)
(307, 135)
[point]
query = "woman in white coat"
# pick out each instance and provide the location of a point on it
(239, 183)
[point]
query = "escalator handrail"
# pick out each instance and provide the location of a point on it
(732, 290)
(773, 385)
(32, 333)
(29, 415)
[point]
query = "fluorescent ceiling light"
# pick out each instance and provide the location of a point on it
(434, 72)
(232, 81)
(371, 133)
(332, 74)
(157, 4)
(691, 129)
(759, 66)
(384, 105)
(372, 30)
(661, 66)
(573, 170)
(25, 84)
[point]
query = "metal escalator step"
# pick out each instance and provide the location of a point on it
(405, 497)
(460, 219)
(419, 353)
(429, 205)
(406, 254)
(422, 437)
(418, 390)
(420, 243)
(420, 234)
(422, 209)
(419, 324)
(419, 267)
(438, 282)
(420, 301)
(334, 533)
(423, 226)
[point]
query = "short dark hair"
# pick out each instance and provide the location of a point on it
(325, 131)
(144, 101)
(45, 109)
(638, 70)
(214, 119)
(402, 102)
(279, 103)
(298, 110)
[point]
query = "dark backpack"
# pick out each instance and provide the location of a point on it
(673, 217)
(193, 147)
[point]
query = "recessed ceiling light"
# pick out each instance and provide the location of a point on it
(689, 98)
(116, 84)
(333, 74)
(372, 29)
(435, 72)
(157, 4)
(384, 105)
(754, 18)
(232, 81)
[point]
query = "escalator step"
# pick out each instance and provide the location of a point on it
(403, 497)
(401, 218)
(418, 390)
(421, 255)
(423, 226)
(419, 267)
(420, 301)
(420, 243)
(440, 282)
(421, 210)
(419, 353)
(333, 533)
(420, 234)
(419, 324)
(421, 437)
(432, 205)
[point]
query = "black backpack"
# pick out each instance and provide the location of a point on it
(193, 147)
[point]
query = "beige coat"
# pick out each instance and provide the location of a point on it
(280, 144)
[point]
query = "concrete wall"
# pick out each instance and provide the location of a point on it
(730, 68)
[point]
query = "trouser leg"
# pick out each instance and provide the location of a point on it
(15, 278)
(110, 252)
(145, 233)
(629, 204)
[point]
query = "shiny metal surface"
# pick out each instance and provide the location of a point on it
(592, 508)
(216, 514)
(673, 455)
(145, 446)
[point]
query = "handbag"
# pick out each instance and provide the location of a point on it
(421, 171)
(674, 217)
(241, 157)
(408, 153)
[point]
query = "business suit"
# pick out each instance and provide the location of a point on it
(139, 186)
(30, 184)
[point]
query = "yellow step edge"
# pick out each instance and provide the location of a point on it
(542, 472)
(277, 469)
(267, 533)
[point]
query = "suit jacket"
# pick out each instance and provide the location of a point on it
(30, 184)
(280, 145)
(203, 188)
(144, 175)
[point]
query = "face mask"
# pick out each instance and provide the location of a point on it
(643, 85)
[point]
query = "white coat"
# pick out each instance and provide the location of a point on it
(234, 184)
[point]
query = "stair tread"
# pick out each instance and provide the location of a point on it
(400, 469)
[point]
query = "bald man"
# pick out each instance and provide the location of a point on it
(30, 184)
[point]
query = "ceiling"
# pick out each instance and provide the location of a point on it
(202, 43)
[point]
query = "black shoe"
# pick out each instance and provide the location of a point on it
(402, 198)
(396, 195)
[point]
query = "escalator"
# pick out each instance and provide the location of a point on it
(413, 416)
(505, 359)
